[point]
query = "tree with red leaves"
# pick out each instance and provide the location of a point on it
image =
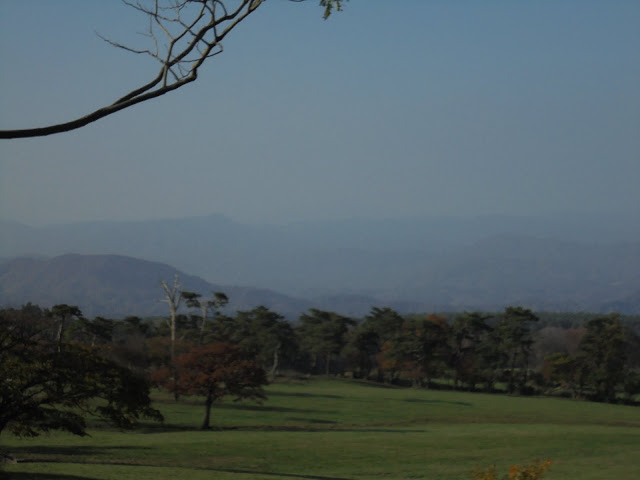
(214, 371)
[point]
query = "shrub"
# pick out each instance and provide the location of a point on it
(532, 471)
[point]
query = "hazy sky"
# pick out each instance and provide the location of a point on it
(393, 108)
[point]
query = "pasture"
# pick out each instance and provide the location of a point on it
(344, 430)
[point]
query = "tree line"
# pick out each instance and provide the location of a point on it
(57, 366)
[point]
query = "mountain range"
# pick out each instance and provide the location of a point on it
(571, 263)
(116, 286)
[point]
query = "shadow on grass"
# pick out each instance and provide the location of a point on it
(259, 408)
(312, 420)
(302, 395)
(309, 428)
(372, 384)
(276, 474)
(49, 476)
(40, 476)
(61, 454)
(419, 400)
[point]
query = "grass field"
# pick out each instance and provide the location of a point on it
(341, 430)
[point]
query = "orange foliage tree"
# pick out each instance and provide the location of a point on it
(533, 471)
(214, 370)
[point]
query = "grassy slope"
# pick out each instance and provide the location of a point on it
(335, 430)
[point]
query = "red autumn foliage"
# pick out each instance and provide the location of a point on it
(214, 370)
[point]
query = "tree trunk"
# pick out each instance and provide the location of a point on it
(511, 384)
(173, 299)
(276, 361)
(176, 395)
(60, 333)
(524, 378)
(203, 310)
(172, 326)
(207, 412)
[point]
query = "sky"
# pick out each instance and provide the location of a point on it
(389, 109)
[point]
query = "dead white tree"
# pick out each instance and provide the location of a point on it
(183, 34)
(173, 298)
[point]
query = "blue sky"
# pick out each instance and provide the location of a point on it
(396, 108)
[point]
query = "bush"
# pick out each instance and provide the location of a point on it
(532, 471)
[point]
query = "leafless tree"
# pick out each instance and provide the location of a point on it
(172, 297)
(183, 34)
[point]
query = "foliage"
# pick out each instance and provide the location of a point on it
(331, 5)
(264, 335)
(470, 351)
(468, 339)
(514, 334)
(48, 384)
(361, 349)
(214, 371)
(323, 333)
(195, 300)
(532, 471)
(604, 355)
(420, 348)
(385, 322)
(369, 339)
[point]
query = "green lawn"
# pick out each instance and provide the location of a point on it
(340, 430)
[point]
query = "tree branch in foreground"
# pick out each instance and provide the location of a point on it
(184, 33)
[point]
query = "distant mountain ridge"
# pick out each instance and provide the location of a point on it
(551, 263)
(116, 286)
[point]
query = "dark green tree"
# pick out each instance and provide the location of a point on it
(205, 305)
(47, 384)
(603, 350)
(566, 371)
(422, 348)
(323, 334)
(62, 315)
(469, 335)
(98, 331)
(516, 340)
(133, 325)
(385, 322)
(264, 335)
(365, 342)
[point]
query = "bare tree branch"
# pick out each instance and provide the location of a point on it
(191, 31)
(173, 297)
(185, 33)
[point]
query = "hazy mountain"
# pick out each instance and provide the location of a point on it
(587, 262)
(540, 273)
(628, 304)
(116, 286)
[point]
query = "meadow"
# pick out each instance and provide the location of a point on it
(330, 429)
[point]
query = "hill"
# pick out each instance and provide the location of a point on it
(570, 263)
(116, 286)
